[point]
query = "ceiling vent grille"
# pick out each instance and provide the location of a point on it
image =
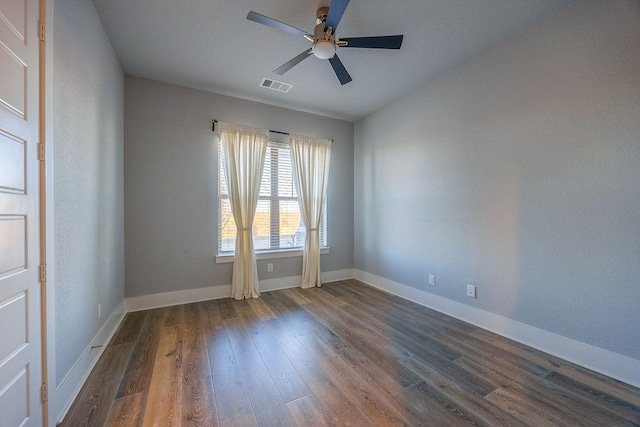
(275, 85)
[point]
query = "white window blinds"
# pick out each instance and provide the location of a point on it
(277, 224)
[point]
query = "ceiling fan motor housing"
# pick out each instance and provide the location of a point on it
(324, 45)
(321, 15)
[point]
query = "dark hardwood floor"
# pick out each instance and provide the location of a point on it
(343, 354)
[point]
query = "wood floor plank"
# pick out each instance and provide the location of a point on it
(297, 295)
(560, 399)
(406, 311)
(461, 393)
(320, 295)
(195, 358)
(227, 309)
(211, 317)
(268, 405)
(232, 402)
(307, 411)
(526, 410)
(513, 347)
(431, 408)
(290, 384)
(287, 306)
(410, 311)
(261, 309)
(198, 403)
(334, 290)
(387, 313)
(388, 357)
(193, 317)
(93, 403)
(173, 315)
(127, 411)
(296, 318)
(245, 311)
(612, 405)
(130, 327)
(416, 340)
(137, 376)
(426, 354)
(424, 349)
(591, 379)
(430, 365)
(345, 286)
(479, 350)
(360, 362)
(374, 406)
(342, 410)
(164, 397)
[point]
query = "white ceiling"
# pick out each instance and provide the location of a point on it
(210, 45)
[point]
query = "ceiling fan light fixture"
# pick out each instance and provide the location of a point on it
(324, 49)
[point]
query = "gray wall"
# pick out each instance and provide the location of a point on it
(171, 185)
(88, 92)
(518, 172)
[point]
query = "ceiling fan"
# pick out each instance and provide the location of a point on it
(324, 39)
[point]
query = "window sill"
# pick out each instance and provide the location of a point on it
(283, 253)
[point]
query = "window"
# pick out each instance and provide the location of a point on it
(277, 224)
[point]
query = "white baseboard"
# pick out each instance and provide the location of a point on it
(614, 365)
(165, 299)
(69, 387)
(337, 275)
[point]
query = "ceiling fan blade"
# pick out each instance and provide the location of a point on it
(341, 72)
(380, 42)
(292, 63)
(336, 10)
(265, 20)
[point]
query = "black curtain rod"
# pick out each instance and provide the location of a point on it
(273, 131)
(213, 128)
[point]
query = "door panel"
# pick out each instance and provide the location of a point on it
(15, 55)
(12, 164)
(14, 405)
(13, 82)
(15, 338)
(20, 337)
(14, 15)
(13, 249)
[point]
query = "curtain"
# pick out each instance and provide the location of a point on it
(310, 164)
(243, 150)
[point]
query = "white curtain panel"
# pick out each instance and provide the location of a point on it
(310, 163)
(243, 150)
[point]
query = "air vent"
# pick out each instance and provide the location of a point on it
(275, 85)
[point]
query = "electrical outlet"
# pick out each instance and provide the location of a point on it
(471, 291)
(99, 310)
(432, 280)
(270, 267)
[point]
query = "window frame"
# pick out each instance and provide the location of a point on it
(274, 213)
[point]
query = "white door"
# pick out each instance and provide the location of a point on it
(20, 339)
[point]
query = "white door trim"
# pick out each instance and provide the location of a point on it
(46, 297)
(50, 336)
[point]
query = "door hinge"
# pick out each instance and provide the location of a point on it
(43, 272)
(41, 30)
(41, 152)
(44, 392)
